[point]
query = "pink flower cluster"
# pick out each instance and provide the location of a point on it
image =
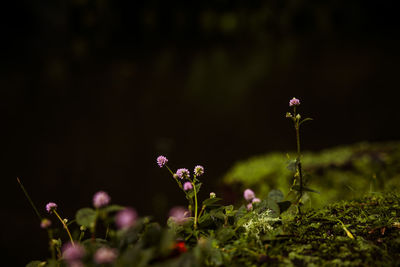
(250, 197)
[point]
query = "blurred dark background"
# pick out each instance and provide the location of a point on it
(92, 91)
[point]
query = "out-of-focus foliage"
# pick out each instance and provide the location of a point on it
(338, 173)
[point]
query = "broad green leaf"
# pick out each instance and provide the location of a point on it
(274, 207)
(276, 195)
(86, 217)
(113, 208)
(211, 201)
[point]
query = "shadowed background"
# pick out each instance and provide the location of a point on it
(93, 91)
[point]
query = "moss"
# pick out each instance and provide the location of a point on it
(344, 172)
(318, 238)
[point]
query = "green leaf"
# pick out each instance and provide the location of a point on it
(272, 205)
(113, 208)
(292, 165)
(86, 217)
(284, 206)
(224, 234)
(211, 202)
(276, 195)
(36, 264)
(305, 189)
(306, 119)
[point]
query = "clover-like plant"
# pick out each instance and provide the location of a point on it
(189, 185)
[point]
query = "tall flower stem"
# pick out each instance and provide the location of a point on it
(65, 226)
(195, 205)
(298, 159)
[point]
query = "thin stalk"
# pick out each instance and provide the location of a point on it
(65, 226)
(202, 210)
(195, 205)
(173, 176)
(298, 159)
(29, 199)
(53, 252)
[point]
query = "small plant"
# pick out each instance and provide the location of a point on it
(298, 181)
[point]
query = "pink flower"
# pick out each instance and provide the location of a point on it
(45, 223)
(294, 102)
(105, 255)
(248, 194)
(126, 218)
(255, 200)
(101, 199)
(73, 253)
(161, 161)
(183, 173)
(51, 206)
(249, 206)
(179, 214)
(199, 170)
(187, 186)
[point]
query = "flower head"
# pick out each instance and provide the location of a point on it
(187, 186)
(105, 255)
(294, 102)
(101, 199)
(255, 200)
(126, 218)
(249, 206)
(73, 253)
(212, 195)
(179, 214)
(45, 223)
(198, 170)
(51, 206)
(248, 194)
(161, 161)
(183, 173)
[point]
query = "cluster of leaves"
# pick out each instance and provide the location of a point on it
(340, 173)
(221, 231)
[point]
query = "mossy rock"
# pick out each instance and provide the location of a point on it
(339, 173)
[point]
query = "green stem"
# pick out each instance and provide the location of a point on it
(173, 176)
(297, 127)
(53, 252)
(202, 210)
(65, 226)
(195, 205)
(29, 199)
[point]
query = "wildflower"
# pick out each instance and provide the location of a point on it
(294, 102)
(249, 206)
(179, 214)
(101, 199)
(183, 173)
(255, 200)
(126, 218)
(161, 161)
(212, 195)
(73, 253)
(51, 206)
(105, 255)
(248, 194)
(45, 223)
(199, 170)
(187, 186)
